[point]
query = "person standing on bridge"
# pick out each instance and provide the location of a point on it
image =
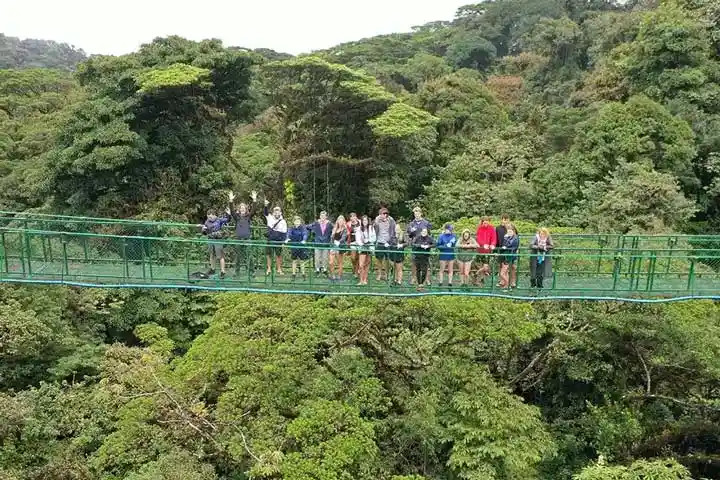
(384, 233)
(486, 238)
(446, 245)
(321, 230)
(467, 248)
(212, 228)
(339, 238)
(413, 230)
(297, 236)
(540, 259)
(422, 244)
(242, 215)
(500, 232)
(276, 235)
(508, 257)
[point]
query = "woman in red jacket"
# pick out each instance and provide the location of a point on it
(486, 238)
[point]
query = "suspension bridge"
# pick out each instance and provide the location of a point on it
(115, 253)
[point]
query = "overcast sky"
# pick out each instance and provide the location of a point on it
(293, 26)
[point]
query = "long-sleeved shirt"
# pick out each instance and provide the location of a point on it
(243, 222)
(423, 244)
(509, 247)
(486, 235)
(384, 229)
(415, 227)
(364, 236)
(321, 231)
(213, 228)
(297, 234)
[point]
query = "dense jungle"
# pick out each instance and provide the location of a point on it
(577, 115)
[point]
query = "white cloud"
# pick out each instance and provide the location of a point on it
(117, 27)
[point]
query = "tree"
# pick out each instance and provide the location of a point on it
(158, 117)
(32, 53)
(639, 130)
(660, 470)
(635, 198)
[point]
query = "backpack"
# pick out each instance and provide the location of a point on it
(273, 235)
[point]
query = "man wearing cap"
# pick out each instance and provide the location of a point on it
(413, 229)
(446, 246)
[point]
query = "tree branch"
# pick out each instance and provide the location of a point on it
(677, 401)
(648, 384)
(540, 355)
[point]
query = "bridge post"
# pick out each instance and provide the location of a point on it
(651, 272)
(126, 269)
(66, 267)
(617, 269)
(691, 276)
(4, 254)
(26, 239)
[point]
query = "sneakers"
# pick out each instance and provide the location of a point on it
(222, 275)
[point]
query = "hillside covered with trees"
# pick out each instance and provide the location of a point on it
(592, 115)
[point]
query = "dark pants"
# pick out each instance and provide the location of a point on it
(537, 281)
(244, 256)
(421, 268)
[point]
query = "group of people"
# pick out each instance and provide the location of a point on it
(383, 239)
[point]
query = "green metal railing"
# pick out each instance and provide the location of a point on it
(680, 245)
(105, 260)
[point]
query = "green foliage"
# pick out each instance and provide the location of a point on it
(177, 93)
(402, 120)
(583, 115)
(496, 436)
(635, 198)
(640, 470)
(176, 75)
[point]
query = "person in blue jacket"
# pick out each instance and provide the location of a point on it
(508, 256)
(321, 231)
(446, 246)
(212, 228)
(297, 236)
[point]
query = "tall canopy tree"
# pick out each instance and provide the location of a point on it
(154, 136)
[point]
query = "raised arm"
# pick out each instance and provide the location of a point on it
(266, 209)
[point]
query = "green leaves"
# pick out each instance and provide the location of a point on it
(496, 436)
(402, 120)
(157, 118)
(635, 198)
(640, 470)
(173, 76)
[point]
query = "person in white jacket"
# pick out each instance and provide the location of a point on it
(276, 235)
(365, 239)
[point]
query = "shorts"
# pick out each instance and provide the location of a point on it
(273, 250)
(465, 258)
(382, 253)
(509, 259)
(216, 249)
(483, 259)
(298, 254)
(366, 249)
(447, 257)
(397, 257)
